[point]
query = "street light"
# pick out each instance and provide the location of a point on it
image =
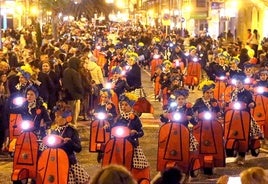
(34, 11)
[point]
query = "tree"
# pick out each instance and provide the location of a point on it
(55, 6)
(38, 38)
(86, 8)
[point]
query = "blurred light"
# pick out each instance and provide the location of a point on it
(260, 90)
(187, 8)
(166, 11)
(49, 13)
(173, 104)
(247, 80)
(156, 56)
(34, 10)
(25, 125)
(151, 13)
(51, 140)
(112, 17)
(195, 59)
(101, 116)
(108, 85)
(18, 101)
(120, 4)
(119, 132)
(237, 106)
(71, 18)
(123, 72)
(177, 62)
(65, 18)
(127, 67)
(19, 9)
(234, 81)
(177, 116)
(207, 115)
(109, 1)
(77, 1)
(176, 12)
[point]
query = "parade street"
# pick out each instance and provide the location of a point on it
(149, 143)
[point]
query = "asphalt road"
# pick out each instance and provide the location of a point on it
(151, 125)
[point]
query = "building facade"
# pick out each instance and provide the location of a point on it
(214, 16)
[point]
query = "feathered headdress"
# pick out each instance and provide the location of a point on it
(167, 63)
(235, 60)
(251, 52)
(156, 39)
(130, 98)
(26, 71)
(206, 85)
(140, 44)
(132, 55)
(105, 91)
(191, 48)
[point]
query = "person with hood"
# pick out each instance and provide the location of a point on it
(72, 85)
(96, 78)
(42, 81)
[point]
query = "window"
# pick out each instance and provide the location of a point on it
(201, 3)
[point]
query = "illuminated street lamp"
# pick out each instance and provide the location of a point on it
(34, 11)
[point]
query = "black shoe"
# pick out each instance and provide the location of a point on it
(99, 157)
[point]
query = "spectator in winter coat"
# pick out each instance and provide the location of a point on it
(53, 94)
(72, 85)
(41, 81)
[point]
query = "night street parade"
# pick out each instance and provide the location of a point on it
(133, 92)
